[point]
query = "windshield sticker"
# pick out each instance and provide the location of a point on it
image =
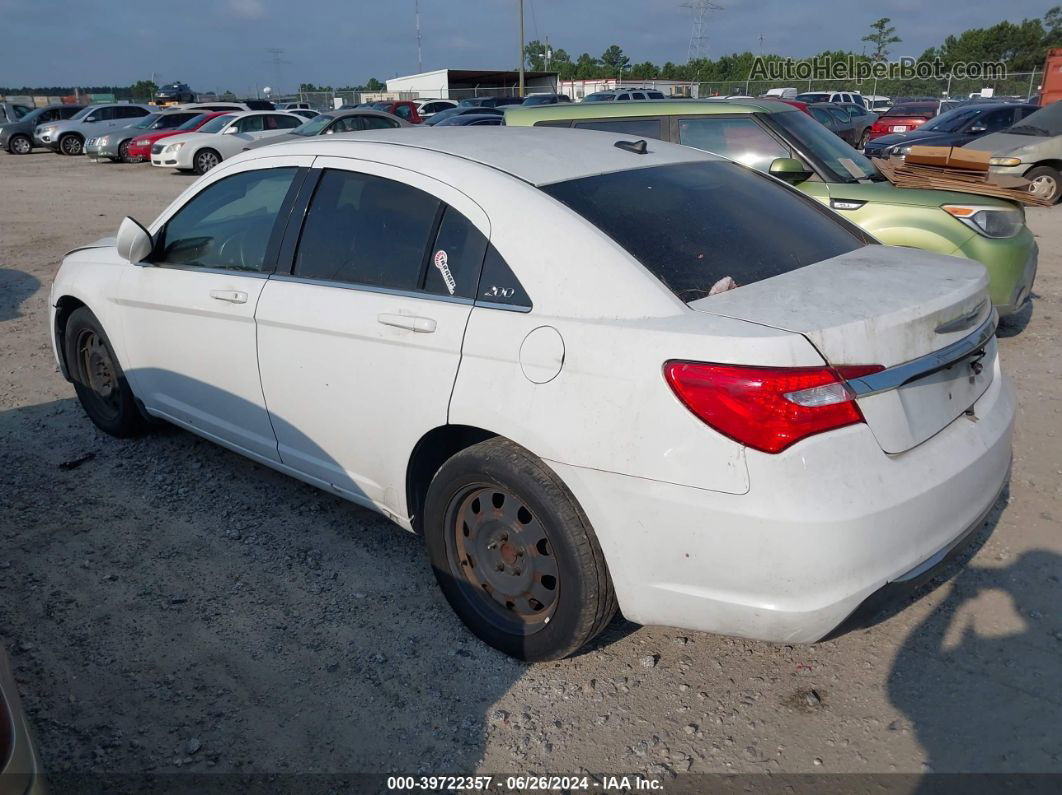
(852, 168)
(444, 269)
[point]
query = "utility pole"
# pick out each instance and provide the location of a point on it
(521, 5)
(420, 62)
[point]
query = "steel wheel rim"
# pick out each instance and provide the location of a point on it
(71, 145)
(98, 373)
(1043, 186)
(500, 551)
(206, 161)
(21, 146)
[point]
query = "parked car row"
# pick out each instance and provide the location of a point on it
(696, 399)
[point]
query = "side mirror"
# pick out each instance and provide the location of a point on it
(789, 169)
(133, 243)
(978, 128)
(229, 130)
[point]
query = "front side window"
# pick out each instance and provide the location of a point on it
(366, 230)
(228, 224)
(648, 127)
(694, 224)
(403, 112)
(216, 124)
(377, 123)
(101, 114)
(288, 121)
(742, 140)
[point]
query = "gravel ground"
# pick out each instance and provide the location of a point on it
(170, 606)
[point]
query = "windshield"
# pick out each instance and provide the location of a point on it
(546, 100)
(910, 110)
(193, 122)
(1046, 121)
(953, 120)
(314, 125)
(147, 121)
(690, 225)
(843, 163)
(215, 124)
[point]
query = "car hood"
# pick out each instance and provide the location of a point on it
(1004, 143)
(189, 137)
(885, 192)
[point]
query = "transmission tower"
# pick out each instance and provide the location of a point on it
(700, 10)
(276, 58)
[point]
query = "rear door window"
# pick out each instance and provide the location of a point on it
(742, 140)
(648, 127)
(694, 224)
(366, 230)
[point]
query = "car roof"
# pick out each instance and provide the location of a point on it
(539, 156)
(637, 107)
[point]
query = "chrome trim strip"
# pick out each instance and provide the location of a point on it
(896, 377)
(506, 307)
(368, 288)
(197, 269)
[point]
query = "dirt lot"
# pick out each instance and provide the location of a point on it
(170, 606)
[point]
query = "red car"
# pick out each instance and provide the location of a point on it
(903, 118)
(140, 147)
(402, 108)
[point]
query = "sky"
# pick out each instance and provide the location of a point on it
(223, 44)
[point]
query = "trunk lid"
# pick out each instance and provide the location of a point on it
(915, 313)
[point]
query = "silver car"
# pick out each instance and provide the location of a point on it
(337, 121)
(114, 145)
(1032, 149)
(68, 137)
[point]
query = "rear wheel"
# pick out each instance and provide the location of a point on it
(514, 554)
(71, 144)
(19, 145)
(98, 379)
(1045, 182)
(205, 159)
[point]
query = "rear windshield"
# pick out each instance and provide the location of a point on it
(911, 110)
(692, 225)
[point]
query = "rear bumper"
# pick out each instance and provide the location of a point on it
(825, 525)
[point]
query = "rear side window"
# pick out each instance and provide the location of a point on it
(499, 285)
(456, 257)
(694, 224)
(641, 128)
(367, 230)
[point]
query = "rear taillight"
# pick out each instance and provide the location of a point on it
(768, 408)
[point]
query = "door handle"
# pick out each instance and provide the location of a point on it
(423, 325)
(232, 296)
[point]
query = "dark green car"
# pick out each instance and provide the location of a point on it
(772, 136)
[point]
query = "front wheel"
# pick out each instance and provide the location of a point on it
(71, 145)
(123, 153)
(98, 379)
(205, 159)
(1044, 182)
(514, 554)
(19, 145)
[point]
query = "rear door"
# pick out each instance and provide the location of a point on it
(188, 311)
(359, 344)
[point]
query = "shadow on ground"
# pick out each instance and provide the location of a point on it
(15, 287)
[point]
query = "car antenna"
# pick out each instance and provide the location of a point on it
(637, 147)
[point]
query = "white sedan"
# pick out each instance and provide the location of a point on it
(591, 372)
(219, 139)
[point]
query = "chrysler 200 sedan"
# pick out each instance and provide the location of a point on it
(744, 421)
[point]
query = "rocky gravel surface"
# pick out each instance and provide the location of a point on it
(172, 607)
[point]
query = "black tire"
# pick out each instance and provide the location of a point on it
(123, 153)
(71, 144)
(19, 145)
(542, 591)
(204, 160)
(863, 140)
(98, 378)
(1046, 182)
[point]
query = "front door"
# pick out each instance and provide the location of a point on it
(189, 312)
(359, 345)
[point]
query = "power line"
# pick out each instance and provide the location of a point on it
(277, 60)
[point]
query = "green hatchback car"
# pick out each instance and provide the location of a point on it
(780, 139)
